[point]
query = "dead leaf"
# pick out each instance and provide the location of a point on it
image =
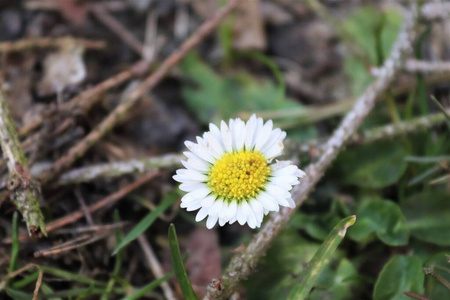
(248, 27)
(63, 68)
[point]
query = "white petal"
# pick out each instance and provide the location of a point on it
(276, 136)
(191, 186)
(208, 201)
(238, 134)
(291, 202)
(213, 144)
(257, 209)
(226, 136)
(200, 151)
(231, 210)
(276, 191)
(241, 215)
(251, 219)
(264, 134)
(202, 213)
(199, 164)
(222, 221)
(286, 171)
(216, 208)
(212, 220)
(250, 128)
(194, 206)
(191, 175)
(268, 202)
(195, 195)
(274, 151)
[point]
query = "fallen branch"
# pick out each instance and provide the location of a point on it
(25, 192)
(116, 169)
(121, 111)
(27, 44)
(427, 67)
(244, 262)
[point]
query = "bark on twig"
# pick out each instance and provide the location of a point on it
(120, 112)
(244, 262)
(427, 67)
(27, 44)
(116, 169)
(25, 192)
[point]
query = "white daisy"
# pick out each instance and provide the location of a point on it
(228, 175)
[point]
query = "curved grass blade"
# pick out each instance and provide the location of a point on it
(180, 271)
(321, 258)
(149, 287)
(15, 244)
(148, 220)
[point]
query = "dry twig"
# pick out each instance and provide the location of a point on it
(155, 266)
(25, 192)
(26, 44)
(244, 262)
(120, 112)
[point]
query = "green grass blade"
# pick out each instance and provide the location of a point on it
(149, 287)
(148, 220)
(71, 276)
(25, 281)
(118, 261)
(180, 271)
(15, 244)
(321, 258)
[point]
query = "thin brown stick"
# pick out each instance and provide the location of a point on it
(118, 28)
(109, 200)
(427, 67)
(155, 266)
(58, 250)
(244, 262)
(84, 208)
(120, 112)
(6, 278)
(415, 296)
(26, 44)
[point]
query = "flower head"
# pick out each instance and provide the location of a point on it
(229, 177)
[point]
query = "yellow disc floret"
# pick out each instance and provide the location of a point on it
(239, 175)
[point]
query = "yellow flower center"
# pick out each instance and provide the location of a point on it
(239, 175)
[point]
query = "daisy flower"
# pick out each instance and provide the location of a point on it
(229, 175)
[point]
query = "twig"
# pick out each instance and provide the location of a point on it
(120, 30)
(109, 200)
(61, 249)
(116, 169)
(120, 112)
(415, 296)
(435, 11)
(27, 44)
(20, 271)
(25, 191)
(244, 262)
(87, 214)
(155, 266)
(53, 5)
(427, 67)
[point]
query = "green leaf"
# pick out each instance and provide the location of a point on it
(373, 166)
(440, 264)
(400, 274)
(427, 216)
(382, 217)
(213, 97)
(363, 28)
(15, 244)
(180, 271)
(287, 260)
(336, 284)
(149, 287)
(147, 221)
(321, 259)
